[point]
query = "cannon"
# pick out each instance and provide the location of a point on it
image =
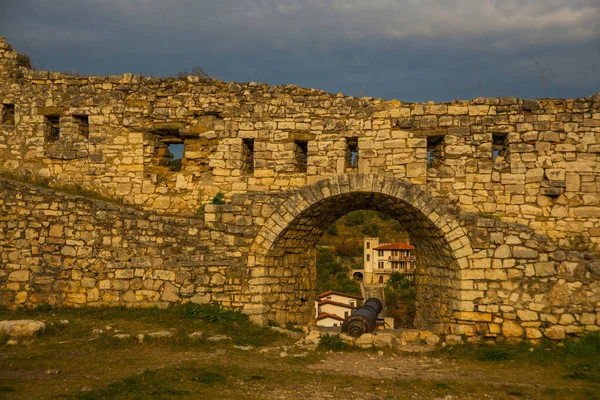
(363, 319)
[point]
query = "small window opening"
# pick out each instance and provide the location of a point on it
(83, 125)
(8, 114)
(301, 151)
(435, 151)
(248, 155)
(345, 314)
(176, 151)
(498, 146)
(52, 128)
(368, 245)
(352, 153)
(368, 257)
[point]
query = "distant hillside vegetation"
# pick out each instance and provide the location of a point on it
(341, 248)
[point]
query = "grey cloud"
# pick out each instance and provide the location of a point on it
(412, 50)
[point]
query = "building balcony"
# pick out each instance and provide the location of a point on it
(401, 258)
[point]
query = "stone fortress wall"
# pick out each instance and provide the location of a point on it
(518, 178)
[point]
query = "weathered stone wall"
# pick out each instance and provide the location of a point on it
(500, 196)
(242, 138)
(65, 249)
(475, 275)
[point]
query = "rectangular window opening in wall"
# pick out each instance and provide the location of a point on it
(499, 146)
(83, 125)
(8, 114)
(435, 151)
(368, 257)
(248, 155)
(52, 128)
(168, 149)
(301, 150)
(176, 151)
(368, 245)
(352, 153)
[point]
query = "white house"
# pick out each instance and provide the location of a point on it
(333, 307)
(382, 259)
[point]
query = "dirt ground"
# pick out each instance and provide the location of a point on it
(72, 371)
(85, 359)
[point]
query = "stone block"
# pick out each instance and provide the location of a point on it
(21, 327)
(19, 276)
(365, 340)
(511, 329)
(555, 332)
(545, 268)
(384, 339)
(526, 315)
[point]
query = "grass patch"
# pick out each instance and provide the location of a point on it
(211, 319)
(35, 179)
(578, 356)
(494, 354)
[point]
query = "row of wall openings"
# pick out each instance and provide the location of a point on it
(52, 127)
(301, 155)
(248, 155)
(83, 125)
(499, 145)
(435, 148)
(171, 149)
(352, 153)
(435, 151)
(8, 114)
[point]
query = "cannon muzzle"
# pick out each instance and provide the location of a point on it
(363, 319)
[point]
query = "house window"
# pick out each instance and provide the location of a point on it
(368, 257)
(380, 253)
(52, 128)
(368, 245)
(8, 114)
(435, 151)
(352, 153)
(380, 264)
(83, 125)
(301, 154)
(352, 303)
(345, 314)
(499, 145)
(380, 279)
(248, 156)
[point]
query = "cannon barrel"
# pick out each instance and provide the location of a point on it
(363, 319)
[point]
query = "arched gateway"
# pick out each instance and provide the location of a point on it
(283, 271)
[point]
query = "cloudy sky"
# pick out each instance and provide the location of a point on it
(412, 50)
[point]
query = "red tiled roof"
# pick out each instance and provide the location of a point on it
(327, 315)
(335, 303)
(330, 292)
(396, 246)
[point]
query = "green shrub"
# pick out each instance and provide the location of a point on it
(212, 312)
(331, 342)
(354, 218)
(332, 230)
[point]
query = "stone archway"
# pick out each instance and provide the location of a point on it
(283, 271)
